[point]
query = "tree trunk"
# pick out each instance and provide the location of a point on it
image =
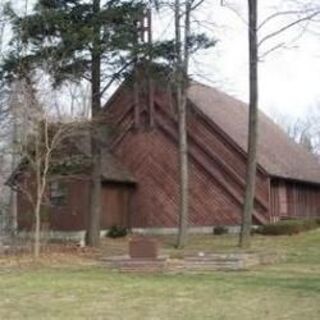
(253, 128)
(95, 190)
(42, 169)
(37, 207)
(181, 90)
(95, 195)
(184, 174)
(36, 248)
(11, 226)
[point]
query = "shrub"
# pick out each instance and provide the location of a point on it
(310, 224)
(117, 232)
(288, 227)
(219, 230)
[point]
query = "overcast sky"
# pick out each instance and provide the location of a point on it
(289, 77)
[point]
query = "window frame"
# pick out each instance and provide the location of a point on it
(58, 193)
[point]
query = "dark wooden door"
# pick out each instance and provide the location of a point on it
(115, 205)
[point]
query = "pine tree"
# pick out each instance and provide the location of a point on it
(73, 40)
(95, 40)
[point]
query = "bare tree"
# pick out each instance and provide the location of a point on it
(182, 63)
(302, 13)
(186, 42)
(303, 130)
(253, 125)
(36, 146)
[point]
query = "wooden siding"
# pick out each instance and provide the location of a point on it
(274, 202)
(207, 139)
(303, 200)
(294, 199)
(115, 207)
(73, 215)
(153, 159)
(217, 168)
(217, 176)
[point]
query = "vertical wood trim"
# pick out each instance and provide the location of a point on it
(283, 199)
(136, 101)
(150, 80)
(151, 103)
(270, 201)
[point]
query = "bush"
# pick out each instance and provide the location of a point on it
(288, 227)
(220, 230)
(117, 232)
(311, 224)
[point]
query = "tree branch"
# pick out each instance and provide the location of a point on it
(279, 14)
(114, 77)
(288, 26)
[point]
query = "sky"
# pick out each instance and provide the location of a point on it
(289, 76)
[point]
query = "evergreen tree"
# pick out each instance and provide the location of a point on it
(73, 40)
(95, 40)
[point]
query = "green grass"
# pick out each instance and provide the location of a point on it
(288, 290)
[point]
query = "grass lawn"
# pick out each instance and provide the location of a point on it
(78, 288)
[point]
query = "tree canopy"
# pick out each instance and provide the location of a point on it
(58, 36)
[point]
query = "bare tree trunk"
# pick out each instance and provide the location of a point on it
(184, 174)
(40, 158)
(42, 169)
(12, 215)
(95, 190)
(181, 90)
(95, 196)
(245, 235)
(12, 223)
(37, 214)
(37, 208)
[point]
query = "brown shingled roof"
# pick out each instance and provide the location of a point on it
(278, 154)
(113, 170)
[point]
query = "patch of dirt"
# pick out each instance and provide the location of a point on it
(52, 255)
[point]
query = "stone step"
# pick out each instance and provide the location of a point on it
(212, 262)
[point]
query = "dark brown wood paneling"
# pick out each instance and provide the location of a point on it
(115, 205)
(70, 216)
(217, 170)
(303, 200)
(294, 199)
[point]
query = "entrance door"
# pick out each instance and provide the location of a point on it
(115, 205)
